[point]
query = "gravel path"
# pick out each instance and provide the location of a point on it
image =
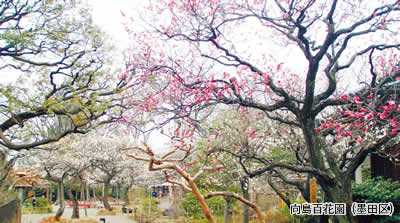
(35, 218)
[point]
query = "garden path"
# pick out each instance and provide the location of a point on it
(91, 212)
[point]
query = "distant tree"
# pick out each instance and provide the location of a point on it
(107, 161)
(63, 163)
(57, 171)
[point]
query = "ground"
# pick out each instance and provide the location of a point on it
(91, 212)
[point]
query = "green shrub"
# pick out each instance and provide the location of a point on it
(38, 210)
(42, 206)
(149, 203)
(41, 202)
(378, 190)
(193, 210)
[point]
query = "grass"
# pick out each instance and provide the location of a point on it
(38, 210)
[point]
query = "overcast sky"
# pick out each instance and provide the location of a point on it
(107, 15)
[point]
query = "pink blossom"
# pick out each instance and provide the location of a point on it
(393, 123)
(235, 84)
(383, 115)
(393, 132)
(344, 97)
(369, 116)
(266, 78)
(357, 100)
(359, 139)
(391, 102)
(122, 76)
(252, 133)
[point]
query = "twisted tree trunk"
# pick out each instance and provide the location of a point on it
(75, 204)
(196, 192)
(335, 185)
(340, 194)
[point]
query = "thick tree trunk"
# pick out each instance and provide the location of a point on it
(104, 198)
(228, 210)
(75, 204)
(60, 191)
(336, 187)
(340, 194)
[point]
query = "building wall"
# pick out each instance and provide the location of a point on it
(382, 166)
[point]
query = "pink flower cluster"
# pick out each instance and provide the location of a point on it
(361, 116)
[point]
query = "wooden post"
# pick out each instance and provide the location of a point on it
(313, 190)
(281, 203)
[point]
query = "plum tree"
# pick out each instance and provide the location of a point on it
(290, 60)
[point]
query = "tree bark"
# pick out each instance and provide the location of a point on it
(260, 215)
(337, 189)
(94, 192)
(75, 204)
(341, 194)
(127, 192)
(199, 197)
(82, 195)
(58, 196)
(244, 186)
(87, 192)
(61, 201)
(104, 198)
